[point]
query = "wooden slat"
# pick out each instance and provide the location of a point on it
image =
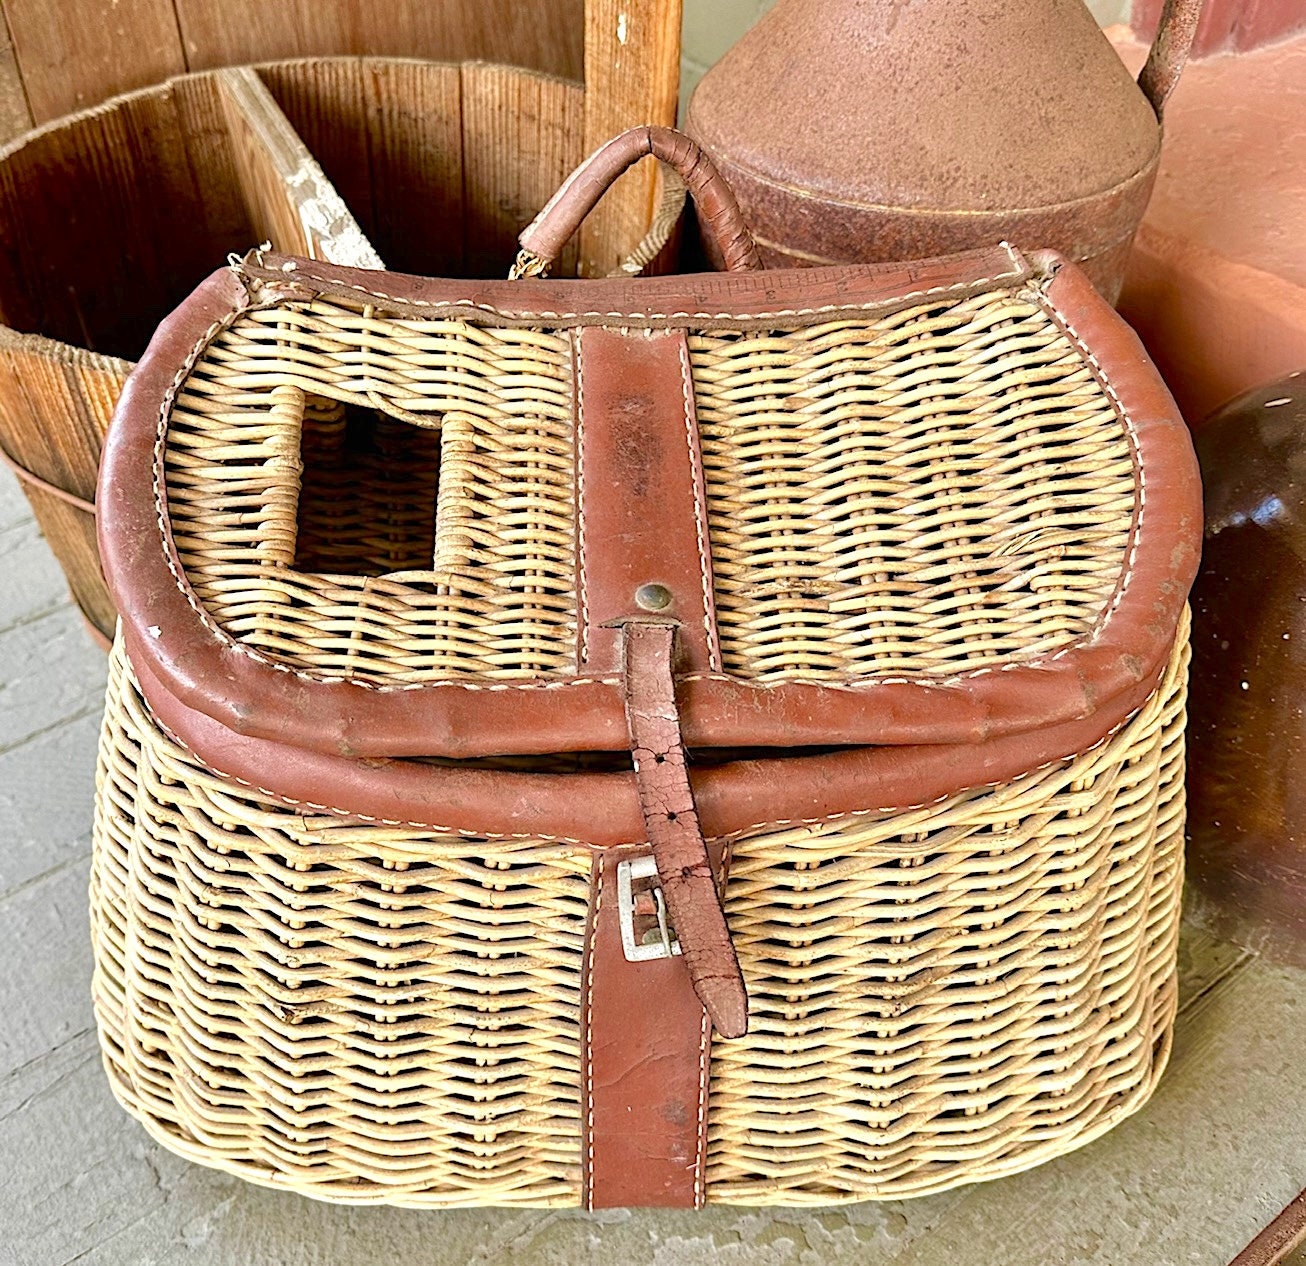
(108, 224)
(322, 99)
(543, 35)
(15, 114)
(632, 75)
(211, 157)
(75, 53)
(55, 406)
(388, 134)
(290, 201)
(1286, 1233)
(521, 136)
(105, 226)
(414, 124)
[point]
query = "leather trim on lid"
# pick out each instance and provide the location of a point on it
(602, 810)
(203, 668)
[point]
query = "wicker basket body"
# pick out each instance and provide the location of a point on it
(352, 842)
(939, 996)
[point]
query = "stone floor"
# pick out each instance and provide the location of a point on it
(1217, 1153)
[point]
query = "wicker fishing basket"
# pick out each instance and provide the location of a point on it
(478, 637)
(114, 214)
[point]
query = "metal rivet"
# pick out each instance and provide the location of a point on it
(653, 597)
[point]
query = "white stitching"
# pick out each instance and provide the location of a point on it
(578, 360)
(183, 586)
(338, 812)
(600, 849)
(588, 1059)
(774, 823)
(160, 437)
(387, 688)
(704, 1066)
(700, 521)
(700, 1153)
(1127, 575)
(1136, 528)
(443, 304)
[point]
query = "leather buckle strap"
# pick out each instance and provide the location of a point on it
(672, 825)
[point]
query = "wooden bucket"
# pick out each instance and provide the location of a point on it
(110, 217)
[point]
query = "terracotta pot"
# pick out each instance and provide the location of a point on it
(1247, 704)
(866, 130)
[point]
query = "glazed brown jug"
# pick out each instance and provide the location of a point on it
(873, 130)
(1247, 704)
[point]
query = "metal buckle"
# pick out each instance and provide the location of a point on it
(657, 939)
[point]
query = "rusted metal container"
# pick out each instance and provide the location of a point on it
(868, 130)
(1247, 708)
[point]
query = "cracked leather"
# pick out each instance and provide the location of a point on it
(718, 213)
(640, 520)
(300, 739)
(199, 664)
(673, 827)
(645, 1062)
(640, 503)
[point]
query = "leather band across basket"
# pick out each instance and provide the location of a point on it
(643, 741)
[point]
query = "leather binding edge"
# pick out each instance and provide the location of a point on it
(251, 695)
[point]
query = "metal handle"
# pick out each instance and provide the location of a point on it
(1174, 41)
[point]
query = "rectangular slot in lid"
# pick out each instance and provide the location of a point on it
(306, 458)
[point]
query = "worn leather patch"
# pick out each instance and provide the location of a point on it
(646, 1054)
(641, 505)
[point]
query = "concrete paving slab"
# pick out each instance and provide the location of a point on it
(46, 790)
(33, 585)
(50, 673)
(45, 946)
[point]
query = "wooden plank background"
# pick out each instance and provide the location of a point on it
(601, 66)
(69, 54)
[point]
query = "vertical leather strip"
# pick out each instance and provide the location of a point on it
(720, 852)
(645, 1060)
(674, 832)
(641, 501)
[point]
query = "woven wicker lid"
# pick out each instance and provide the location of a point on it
(944, 503)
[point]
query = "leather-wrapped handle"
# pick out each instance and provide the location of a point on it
(718, 211)
(1174, 41)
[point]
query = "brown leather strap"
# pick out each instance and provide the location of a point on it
(641, 507)
(644, 572)
(645, 1063)
(1033, 704)
(718, 212)
(671, 820)
(1170, 49)
(601, 810)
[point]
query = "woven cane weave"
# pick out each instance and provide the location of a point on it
(348, 564)
(942, 490)
(370, 1013)
(933, 491)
